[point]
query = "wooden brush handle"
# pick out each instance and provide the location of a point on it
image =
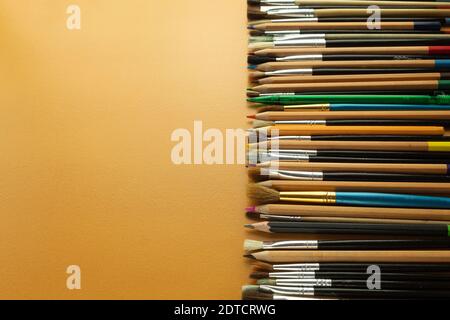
(362, 167)
(350, 145)
(281, 52)
(351, 78)
(431, 188)
(359, 212)
(325, 115)
(354, 256)
(280, 26)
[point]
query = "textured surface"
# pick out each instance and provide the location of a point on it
(86, 175)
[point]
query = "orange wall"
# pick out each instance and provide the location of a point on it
(85, 123)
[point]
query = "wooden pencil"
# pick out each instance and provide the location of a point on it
(429, 63)
(285, 256)
(354, 77)
(293, 51)
(369, 130)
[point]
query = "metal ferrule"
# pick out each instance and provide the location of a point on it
(280, 297)
(293, 151)
(304, 282)
(311, 107)
(278, 2)
(301, 245)
(292, 175)
(264, 157)
(300, 43)
(307, 138)
(293, 275)
(287, 6)
(287, 37)
(297, 267)
(309, 19)
(310, 197)
(302, 291)
(292, 12)
(280, 218)
(277, 94)
(287, 72)
(303, 57)
(305, 122)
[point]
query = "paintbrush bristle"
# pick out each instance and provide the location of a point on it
(259, 275)
(257, 296)
(270, 108)
(262, 266)
(261, 123)
(266, 282)
(256, 174)
(261, 194)
(253, 245)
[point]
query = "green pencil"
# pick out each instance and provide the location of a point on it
(352, 98)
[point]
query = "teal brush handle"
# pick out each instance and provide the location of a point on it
(391, 200)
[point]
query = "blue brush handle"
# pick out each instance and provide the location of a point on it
(385, 107)
(391, 200)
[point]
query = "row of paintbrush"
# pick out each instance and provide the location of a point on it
(349, 139)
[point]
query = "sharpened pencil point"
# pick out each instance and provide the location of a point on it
(251, 209)
(249, 226)
(249, 256)
(252, 116)
(252, 66)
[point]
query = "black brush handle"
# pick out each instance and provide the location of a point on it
(385, 154)
(254, 60)
(367, 293)
(387, 122)
(343, 231)
(411, 285)
(393, 177)
(363, 226)
(395, 276)
(385, 267)
(382, 244)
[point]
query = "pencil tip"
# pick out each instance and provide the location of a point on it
(249, 256)
(252, 116)
(252, 66)
(251, 209)
(249, 226)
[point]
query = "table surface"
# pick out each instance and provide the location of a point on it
(87, 179)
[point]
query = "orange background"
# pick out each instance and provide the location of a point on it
(86, 175)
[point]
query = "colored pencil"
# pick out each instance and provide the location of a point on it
(377, 256)
(355, 107)
(354, 98)
(294, 51)
(324, 130)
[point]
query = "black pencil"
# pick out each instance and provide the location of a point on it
(430, 230)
